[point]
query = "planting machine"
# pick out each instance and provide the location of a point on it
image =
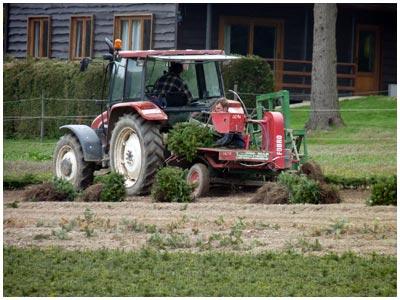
(128, 137)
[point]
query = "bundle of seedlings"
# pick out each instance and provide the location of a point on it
(184, 139)
(384, 192)
(170, 185)
(308, 186)
(106, 188)
(329, 193)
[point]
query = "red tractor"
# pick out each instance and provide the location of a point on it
(128, 137)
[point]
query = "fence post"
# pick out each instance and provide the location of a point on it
(235, 88)
(42, 119)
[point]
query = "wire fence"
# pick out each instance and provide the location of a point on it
(43, 116)
(340, 95)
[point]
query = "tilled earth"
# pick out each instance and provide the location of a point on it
(225, 221)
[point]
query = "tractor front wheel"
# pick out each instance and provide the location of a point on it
(136, 151)
(68, 163)
(200, 176)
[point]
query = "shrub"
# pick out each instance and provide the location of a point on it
(301, 189)
(170, 185)
(252, 74)
(32, 78)
(113, 189)
(63, 186)
(185, 138)
(384, 192)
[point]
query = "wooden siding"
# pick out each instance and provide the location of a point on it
(192, 29)
(164, 24)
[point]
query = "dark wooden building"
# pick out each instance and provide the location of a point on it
(78, 30)
(281, 33)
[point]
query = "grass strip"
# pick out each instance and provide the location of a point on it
(364, 147)
(11, 182)
(28, 149)
(57, 272)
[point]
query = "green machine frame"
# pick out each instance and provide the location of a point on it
(294, 138)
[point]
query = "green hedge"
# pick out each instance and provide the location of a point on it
(53, 79)
(11, 182)
(61, 79)
(353, 182)
(252, 74)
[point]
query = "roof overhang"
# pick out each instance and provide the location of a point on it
(194, 58)
(147, 53)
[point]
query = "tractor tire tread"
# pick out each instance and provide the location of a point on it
(153, 150)
(86, 169)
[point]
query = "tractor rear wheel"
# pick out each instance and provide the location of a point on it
(200, 176)
(68, 163)
(136, 151)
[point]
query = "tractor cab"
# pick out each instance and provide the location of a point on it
(134, 75)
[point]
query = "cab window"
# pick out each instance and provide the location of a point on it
(156, 68)
(212, 82)
(118, 76)
(189, 75)
(133, 85)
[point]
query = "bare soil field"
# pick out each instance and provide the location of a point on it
(225, 221)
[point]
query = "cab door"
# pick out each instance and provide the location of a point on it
(367, 55)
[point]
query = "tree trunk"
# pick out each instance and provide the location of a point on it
(324, 99)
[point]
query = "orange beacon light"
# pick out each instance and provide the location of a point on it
(117, 44)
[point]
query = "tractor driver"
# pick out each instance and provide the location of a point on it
(234, 140)
(172, 88)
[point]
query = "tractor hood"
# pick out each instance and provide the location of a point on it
(194, 58)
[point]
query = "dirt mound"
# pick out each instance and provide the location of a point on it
(271, 193)
(44, 192)
(313, 171)
(329, 194)
(92, 193)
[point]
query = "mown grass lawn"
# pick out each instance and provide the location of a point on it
(365, 146)
(28, 149)
(57, 272)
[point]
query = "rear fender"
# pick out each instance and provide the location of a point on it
(146, 109)
(89, 141)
